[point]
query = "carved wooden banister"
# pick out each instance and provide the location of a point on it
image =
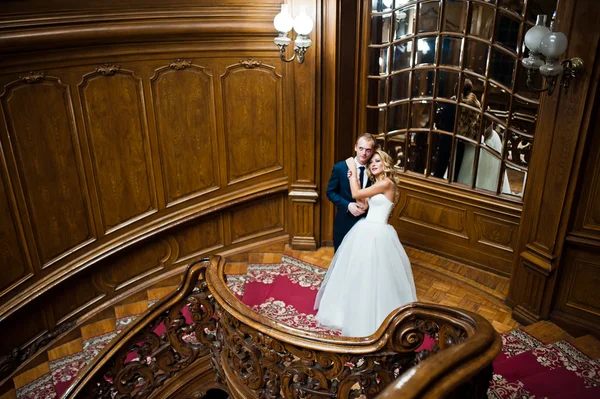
(256, 357)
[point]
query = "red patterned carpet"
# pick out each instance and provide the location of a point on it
(525, 369)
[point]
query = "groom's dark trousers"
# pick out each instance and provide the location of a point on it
(338, 192)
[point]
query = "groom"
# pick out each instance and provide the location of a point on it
(338, 189)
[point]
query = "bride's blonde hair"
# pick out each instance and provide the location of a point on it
(388, 170)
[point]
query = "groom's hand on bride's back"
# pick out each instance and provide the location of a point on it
(355, 209)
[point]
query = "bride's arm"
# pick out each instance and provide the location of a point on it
(361, 194)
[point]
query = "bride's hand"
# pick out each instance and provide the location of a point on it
(351, 165)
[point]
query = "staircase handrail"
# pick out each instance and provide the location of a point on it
(467, 341)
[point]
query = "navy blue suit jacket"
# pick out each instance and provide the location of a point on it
(338, 192)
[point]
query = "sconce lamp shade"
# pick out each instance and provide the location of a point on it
(303, 24)
(554, 44)
(534, 36)
(283, 21)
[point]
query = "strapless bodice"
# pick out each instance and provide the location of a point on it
(379, 209)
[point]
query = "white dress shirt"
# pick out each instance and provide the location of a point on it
(363, 183)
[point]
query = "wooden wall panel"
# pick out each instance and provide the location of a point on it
(135, 264)
(113, 107)
(75, 298)
(496, 232)
(458, 225)
(257, 218)
(253, 119)
(23, 327)
(45, 147)
(200, 237)
(184, 108)
(440, 217)
(16, 266)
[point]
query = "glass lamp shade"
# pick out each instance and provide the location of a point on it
(283, 21)
(303, 24)
(534, 36)
(554, 44)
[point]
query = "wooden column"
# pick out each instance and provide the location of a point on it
(555, 164)
(305, 152)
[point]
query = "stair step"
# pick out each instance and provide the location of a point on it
(547, 332)
(295, 253)
(98, 328)
(587, 344)
(131, 309)
(276, 247)
(67, 349)
(154, 294)
(31, 375)
(12, 394)
(238, 268)
(264, 258)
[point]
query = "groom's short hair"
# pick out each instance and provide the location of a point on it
(368, 137)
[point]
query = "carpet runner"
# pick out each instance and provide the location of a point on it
(525, 369)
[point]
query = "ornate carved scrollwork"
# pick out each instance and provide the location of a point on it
(32, 77)
(108, 69)
(167, 345)
(247, 360)
(180, 64)
(250, 63)
(275, 369)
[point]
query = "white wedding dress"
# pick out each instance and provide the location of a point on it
(369, 276)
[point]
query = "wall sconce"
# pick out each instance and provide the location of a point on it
(541, 40)
(303, 25)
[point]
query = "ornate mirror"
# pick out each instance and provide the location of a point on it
(445, 92)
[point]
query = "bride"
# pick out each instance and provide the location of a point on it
(370, 274)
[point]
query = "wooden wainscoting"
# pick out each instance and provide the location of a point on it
(577, 305)
(136, 136)
(459, 224)
(134, 268)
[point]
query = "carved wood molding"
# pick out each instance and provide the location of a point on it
(180, 64)
(108, 69)
(32, 77)
(250, 63)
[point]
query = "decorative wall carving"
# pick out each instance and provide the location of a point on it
(32, 77)
(108, 69)
(179, 64)
(250, 63)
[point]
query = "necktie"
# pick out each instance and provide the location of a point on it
(361, 175)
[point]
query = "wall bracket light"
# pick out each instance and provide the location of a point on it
(302, 24)
(543, 41)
